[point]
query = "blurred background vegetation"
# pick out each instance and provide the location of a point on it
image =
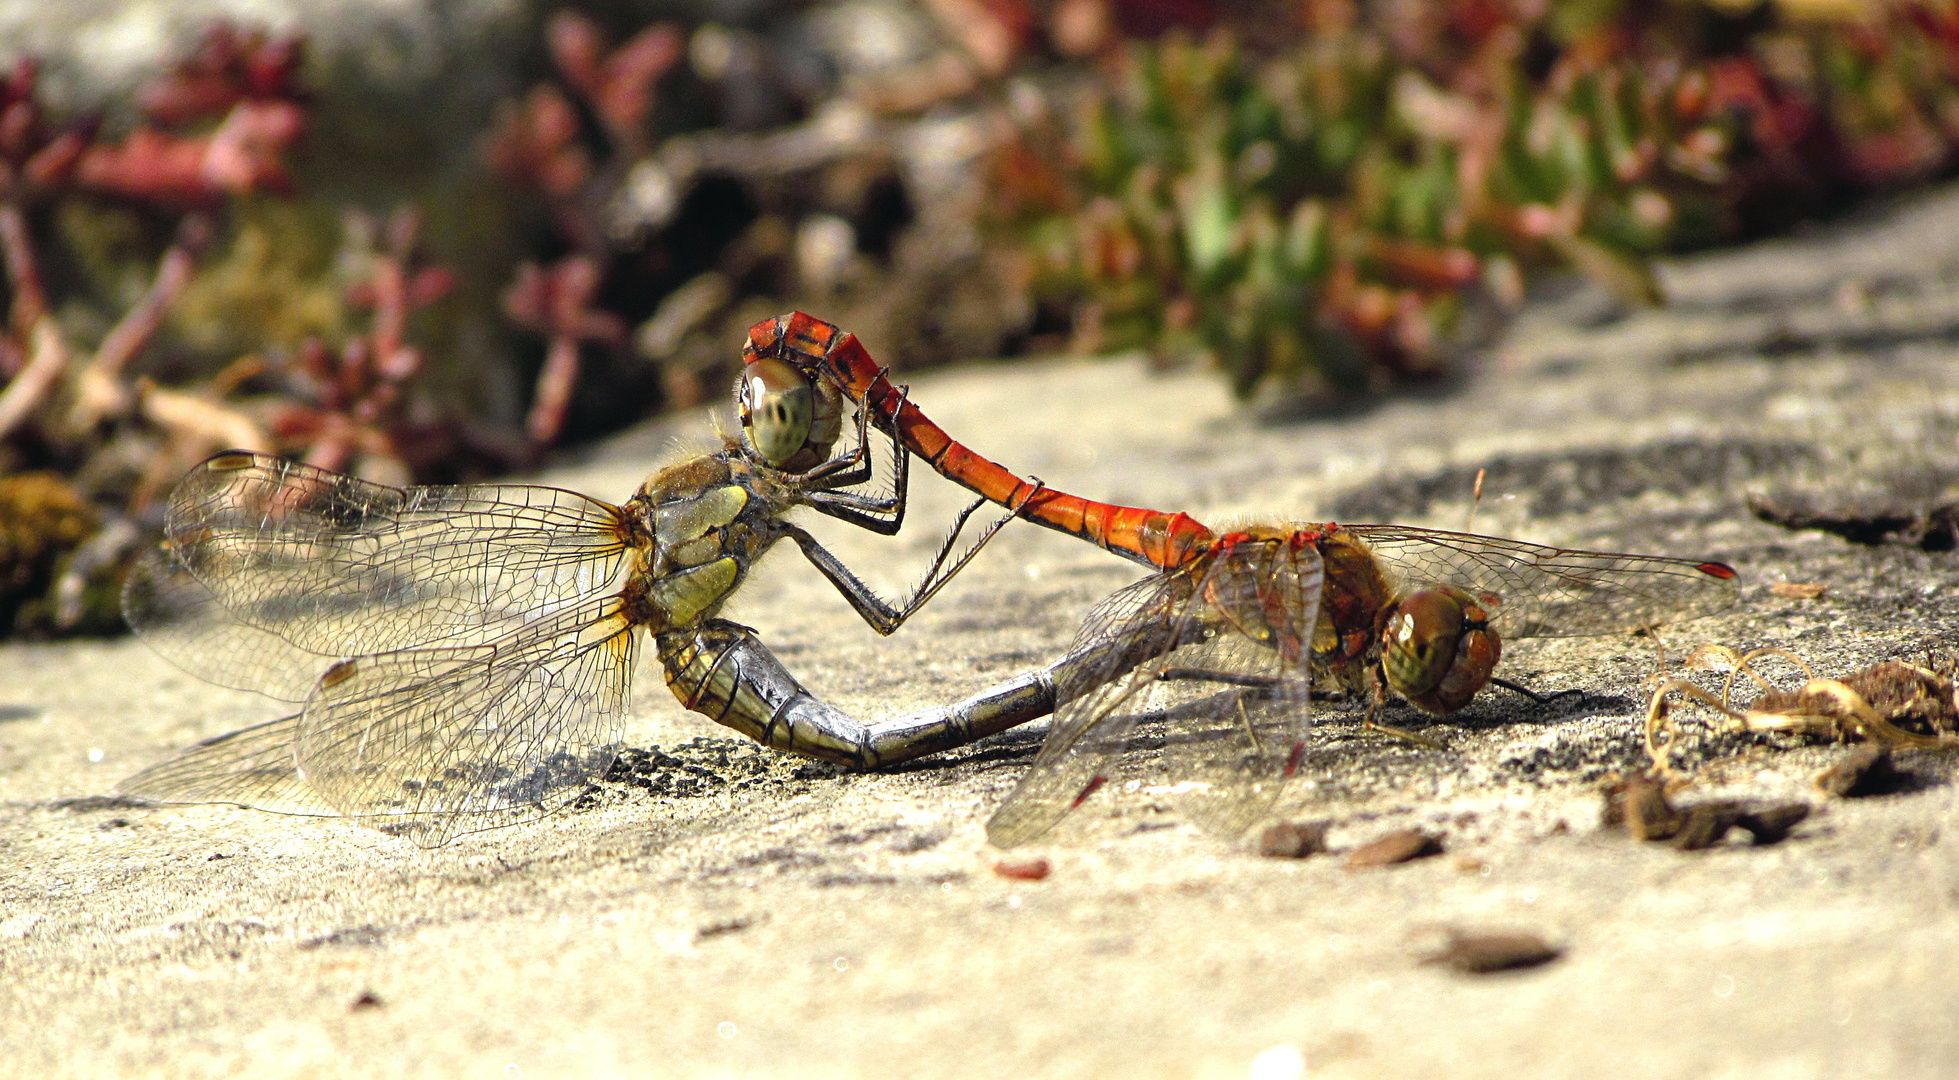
(431, 241)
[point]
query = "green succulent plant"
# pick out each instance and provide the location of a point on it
(1313, 217)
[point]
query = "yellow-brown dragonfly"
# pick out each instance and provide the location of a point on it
(461, 651)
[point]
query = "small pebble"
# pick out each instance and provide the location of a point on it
(1023, 869)
(1475, 953)
(1292, 839)
(1396, 847)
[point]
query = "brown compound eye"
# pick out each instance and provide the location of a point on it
(1437, 649)
(777, 408)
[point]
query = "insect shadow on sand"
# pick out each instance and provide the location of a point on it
(1488, 714)
(1012, 747)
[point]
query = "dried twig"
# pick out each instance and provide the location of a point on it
(46, 360)
(99, 389)
(23, 270)
(558, 303)
(193, 416)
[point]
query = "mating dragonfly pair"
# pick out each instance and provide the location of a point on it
(462, 651)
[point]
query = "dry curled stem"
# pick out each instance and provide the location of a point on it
(1822, 708)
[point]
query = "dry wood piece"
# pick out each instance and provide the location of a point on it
(1798, 590)
(1866, 770)
(1406, 845)
(1771, 826)
(1915, 700)
(1474, 953)
(1639, 805)
(1292, 839)
(1023, 869)
(1931, 526)
(727, 926)
(1707, 824)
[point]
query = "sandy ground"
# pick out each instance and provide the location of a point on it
(765, 919)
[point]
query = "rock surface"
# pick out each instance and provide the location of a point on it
(722, 910)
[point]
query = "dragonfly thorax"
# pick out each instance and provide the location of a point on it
(706, 524)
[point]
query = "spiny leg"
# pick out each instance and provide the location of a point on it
(880, 514)
(1541, 699)
(1404, 734)
(1251, 730)
(854, 467)
(1378, 699)
(1229, 678)
(885, 617)
(1261, 685)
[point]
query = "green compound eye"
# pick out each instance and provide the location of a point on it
(777, 408)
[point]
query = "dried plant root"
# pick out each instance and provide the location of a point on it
(1871, 704)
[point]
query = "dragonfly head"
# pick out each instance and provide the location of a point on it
(1437, 649)
(788, 419)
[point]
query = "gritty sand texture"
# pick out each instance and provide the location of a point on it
(738, 913)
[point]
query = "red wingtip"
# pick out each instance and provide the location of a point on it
(1716, 569)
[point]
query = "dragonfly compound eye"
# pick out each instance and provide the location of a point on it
(777, 408)
(1438, 650)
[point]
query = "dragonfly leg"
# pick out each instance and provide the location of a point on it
(883, 616)
(883, 514)
(1403, 733)
(853, 466)
(1541, 699)
(880, 514)
(1230, 678)
(1251, 729)
(1378, 698)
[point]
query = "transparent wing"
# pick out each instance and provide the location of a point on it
(336, 566)
(1205, 671)
(423, 738)
(1092, 724)
(1540, 591)
(252, 767)
(183, 621)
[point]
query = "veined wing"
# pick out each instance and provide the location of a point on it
(249, 767)
(1540, 591)
(184, 622)
(1208, 663)
(418, 739)
(336, 566)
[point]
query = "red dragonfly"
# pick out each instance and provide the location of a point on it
(1218, 654)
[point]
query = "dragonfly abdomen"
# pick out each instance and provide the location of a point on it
(724, 672)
